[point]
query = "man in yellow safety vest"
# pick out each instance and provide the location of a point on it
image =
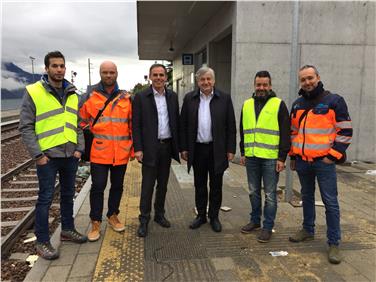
(264, 145)
(48, 124)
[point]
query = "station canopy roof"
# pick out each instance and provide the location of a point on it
(165, 27)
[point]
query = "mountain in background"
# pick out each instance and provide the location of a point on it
(14, 80)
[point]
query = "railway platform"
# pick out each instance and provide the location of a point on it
(181, 254)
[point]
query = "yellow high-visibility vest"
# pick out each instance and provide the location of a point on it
(55, 124)
(261, 137)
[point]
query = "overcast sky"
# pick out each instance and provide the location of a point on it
(96, 30)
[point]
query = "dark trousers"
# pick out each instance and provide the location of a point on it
(99, 175)
(203, 165)
(151, 174)
(67, 168)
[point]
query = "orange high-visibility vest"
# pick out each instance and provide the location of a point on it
(112, 142)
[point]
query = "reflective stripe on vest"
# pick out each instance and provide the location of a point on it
(315, 135)
(54, 125)
(261, 137)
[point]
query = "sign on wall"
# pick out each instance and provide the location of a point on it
(187, 59)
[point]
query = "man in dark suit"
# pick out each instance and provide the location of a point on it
(208, 143)
(155, 141)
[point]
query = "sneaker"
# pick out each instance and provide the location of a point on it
(334, 255)
(264, 236)
(73, 236)
(250, 227)
(95, 232)
(46, 251)
(301, 236)
(115, 223)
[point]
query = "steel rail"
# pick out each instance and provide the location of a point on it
(9, 125)
(16, 170)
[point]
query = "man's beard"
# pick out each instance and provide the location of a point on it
(55, 79)
(262, 93)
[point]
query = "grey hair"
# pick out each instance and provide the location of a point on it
(309, 67)
(204, 70)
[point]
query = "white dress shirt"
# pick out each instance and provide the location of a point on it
(204, 131)
(163, 123)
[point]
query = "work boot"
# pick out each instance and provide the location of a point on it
(334, 255)
(115, 223)
(264, 236)
(250, 227)
(95, 232)
(73, 236)
(301, 236)
(46, 251)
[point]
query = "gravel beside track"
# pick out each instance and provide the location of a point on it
(13, 153)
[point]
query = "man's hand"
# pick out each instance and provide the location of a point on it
(184, 155)
(138, 155)
(242, 160)
(327, 161)
(77, 154)
(292, 164)
(230, 156)
(43, 160)
(280, 166)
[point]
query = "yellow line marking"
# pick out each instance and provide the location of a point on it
(121, 257)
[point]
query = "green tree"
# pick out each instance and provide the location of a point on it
(139, 87)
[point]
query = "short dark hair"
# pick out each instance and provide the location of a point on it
(153, 66)
(53, 54)
(263, 73)
(309, 67)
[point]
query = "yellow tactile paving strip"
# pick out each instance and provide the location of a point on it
(121, 257)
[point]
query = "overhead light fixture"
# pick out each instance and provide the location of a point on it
(171, 49)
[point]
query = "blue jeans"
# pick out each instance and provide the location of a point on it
(262, 169)
(327, 180)
(67, 168)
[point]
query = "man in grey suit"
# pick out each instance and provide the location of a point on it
(155, 141)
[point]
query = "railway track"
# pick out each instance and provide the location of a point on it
(9, 131)
(19, 192)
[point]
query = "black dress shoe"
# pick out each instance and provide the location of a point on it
(216, 224)
(162, 221)
(199, 220)
(142, 229)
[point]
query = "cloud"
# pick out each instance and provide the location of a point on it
(95, 30)
(9, 82)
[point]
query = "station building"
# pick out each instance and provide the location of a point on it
(237, 39)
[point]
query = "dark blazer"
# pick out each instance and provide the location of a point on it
(145, 124)
(223, 127)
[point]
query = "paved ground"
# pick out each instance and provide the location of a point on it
(181, 254)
